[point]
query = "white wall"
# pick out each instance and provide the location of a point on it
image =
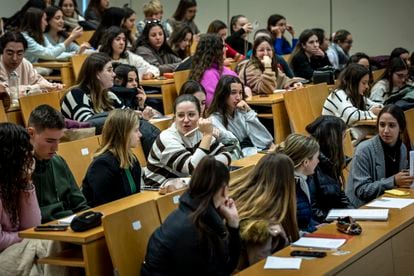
(377, 26)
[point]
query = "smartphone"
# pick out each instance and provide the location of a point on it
(51, 227)
(315, 254)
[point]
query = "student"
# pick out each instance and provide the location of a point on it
(327, 183)
(235, 119)
(19, 209)
(115, 171)
(379, 163)
(114, 44)
(129, 25)
(71, 14)
(55, 33)
(307, 56)
(261, 72)
(304, 152)
(281, 62)
(277, 25)
(184, 15)
(220, 28)
(363, 59)
(153, 47)
(323, 40)
(266, 203)
(113, 16)
(349, 103)
(95, 11)
(56, 189)
(180, 41)
(197, 90)
(153, 10)
(240, 28)
(33, 26)
(91, 96)
(207, 66)
(403, 53)
(338, 52)
(208, 220)
(14, 45)
(125, 82)
(394, 78)
(176, 154)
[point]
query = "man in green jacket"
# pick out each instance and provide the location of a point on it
(56, 189)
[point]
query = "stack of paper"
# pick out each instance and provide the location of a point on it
(359, 214)
(66, 220)
(390, 202)
(282, 263)
(319, 243)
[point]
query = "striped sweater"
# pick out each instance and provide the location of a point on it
(173, 155)
(339, 104)
(78, 106)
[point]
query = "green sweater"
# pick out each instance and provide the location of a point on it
(56, 189)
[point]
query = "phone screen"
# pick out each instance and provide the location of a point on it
(51, 227)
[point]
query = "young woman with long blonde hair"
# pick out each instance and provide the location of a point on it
(115, 171)
(304, 152)
(266, 203)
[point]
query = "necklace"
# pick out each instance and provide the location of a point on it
(393, 158)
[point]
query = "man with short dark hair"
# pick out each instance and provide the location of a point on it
(13, 45)
(56, 189)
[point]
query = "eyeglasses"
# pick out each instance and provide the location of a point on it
(152, 21)
(402, 75)
(349, 42)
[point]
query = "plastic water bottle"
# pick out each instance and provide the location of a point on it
(14, 88)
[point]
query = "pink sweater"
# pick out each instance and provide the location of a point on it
(29, 216)
(210, 79)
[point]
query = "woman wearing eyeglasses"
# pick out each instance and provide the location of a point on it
(394, 78)
(338, 52)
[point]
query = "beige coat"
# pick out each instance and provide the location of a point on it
(262, 82)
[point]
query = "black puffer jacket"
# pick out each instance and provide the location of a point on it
(176, 248)
(326, 191)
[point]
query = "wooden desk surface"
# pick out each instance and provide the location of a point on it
(156, 82)
(266, 100)
(53, 64)
(374, 233)
(366, 123)
(95, 233)
(248, 161)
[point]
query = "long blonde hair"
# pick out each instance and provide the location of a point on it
(299, 148)
(269, 194)
(116, 135)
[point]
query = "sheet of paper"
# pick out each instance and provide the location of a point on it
(359, 214)
(390, 202)
(319, 243)
(66, 220)
(282, 263)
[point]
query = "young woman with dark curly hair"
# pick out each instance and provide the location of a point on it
(19, 208)
(207, 67)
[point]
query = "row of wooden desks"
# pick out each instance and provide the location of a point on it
(95, 257)
(383, 248)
